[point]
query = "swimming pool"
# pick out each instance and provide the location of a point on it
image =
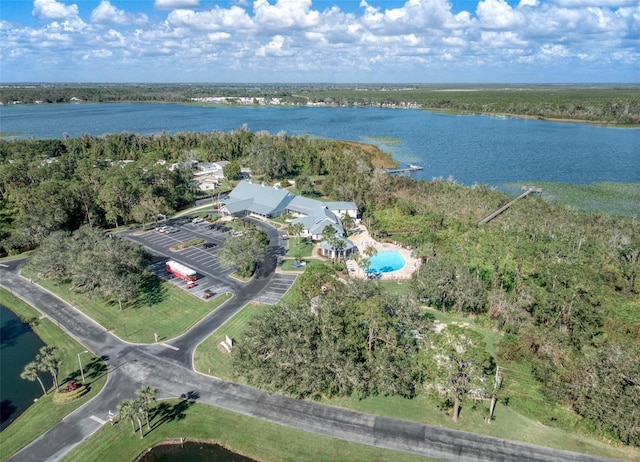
(386, 262)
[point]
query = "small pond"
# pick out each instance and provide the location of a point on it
(192, 452)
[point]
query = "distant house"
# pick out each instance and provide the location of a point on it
(209, 174)
(213, 169)
(264, 201)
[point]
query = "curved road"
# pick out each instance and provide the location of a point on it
(170, 370)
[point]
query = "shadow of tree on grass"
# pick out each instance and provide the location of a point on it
(92, 372)
(152, 292)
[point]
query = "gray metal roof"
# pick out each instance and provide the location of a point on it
(341, 205)
(266, 200)
(304, 205)
(261, 199)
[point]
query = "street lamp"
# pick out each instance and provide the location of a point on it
(80, 363)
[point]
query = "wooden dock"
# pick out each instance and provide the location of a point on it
(409, 169)
(527, 190)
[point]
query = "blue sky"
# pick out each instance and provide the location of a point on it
(301, 41)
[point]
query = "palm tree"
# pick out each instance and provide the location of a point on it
(127, 409)
(347, 222)
(365, 258)
(146, 395)
(329, 236)
(48, 360)
(296, 230)
(137, 413)
(30, 373)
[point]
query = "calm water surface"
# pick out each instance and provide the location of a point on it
(469, 148)
(18, 346)
(192, 452)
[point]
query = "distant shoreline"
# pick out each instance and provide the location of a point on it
(603, 123)
(610, 104)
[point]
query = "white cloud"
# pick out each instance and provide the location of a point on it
(316, 39)
(497, 14)
(106, 13)
(51, 9)
(285, 14)
(595, 3)
(276, 47)
(414, 16)
(174, 4)
(102, 53)
(502, 39)
(218, 18)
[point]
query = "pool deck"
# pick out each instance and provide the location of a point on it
(362, 239)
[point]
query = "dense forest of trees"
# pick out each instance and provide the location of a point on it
(560, 286)
(355, 339)
(95, 264)
(603, 104)
(49, 185)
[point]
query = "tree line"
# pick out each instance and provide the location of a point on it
(618, 104)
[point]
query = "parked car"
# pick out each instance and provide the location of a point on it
(162, 229)
(191, 285)
(207, 294)
(209, 245)
(197, 220)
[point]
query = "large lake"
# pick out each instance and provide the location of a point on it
(468, 148)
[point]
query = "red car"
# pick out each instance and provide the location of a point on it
(207, 295)
(190, 285)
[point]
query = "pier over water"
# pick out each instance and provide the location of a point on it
(410, 168)
(527, 190)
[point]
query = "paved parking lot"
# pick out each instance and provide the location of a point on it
(277, 288)
(212, 277)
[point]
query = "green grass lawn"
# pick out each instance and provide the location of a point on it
(184, 245)
(253, 438)
(395, 287)
(208, 359)
(287, 264)
(298, 248)
(44, 413)
(171, 313)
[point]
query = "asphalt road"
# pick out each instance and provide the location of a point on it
(170, 370)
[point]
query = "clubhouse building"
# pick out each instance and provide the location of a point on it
(266, 202)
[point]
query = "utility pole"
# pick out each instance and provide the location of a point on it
(496, 384)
